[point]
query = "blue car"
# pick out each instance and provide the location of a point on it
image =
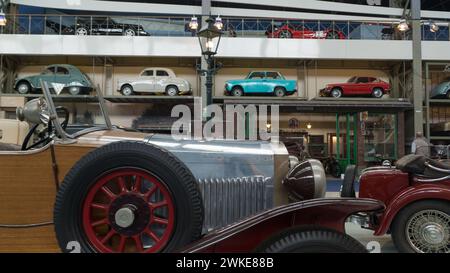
(261, 82)
(441, 91)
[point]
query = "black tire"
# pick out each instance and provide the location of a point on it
(237, 91)
(81, 31)
(285, 34)
(176, 177)
(348, 187)
(129, 32)
(279, 91)
(172, 90)
(336, 92)
(127, 90)
(312, 241)
(447, 95)
(332, 35)
(23, 87)
(400, 223)
(377, 93)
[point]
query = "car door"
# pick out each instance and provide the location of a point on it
(357, 87)
(101, 25)
(48, 75)
(145, 82)
(27, 197)
(161, 78)
(272, 80)
(371, 83)
(62, 79)
(256, 83)
(362, 86)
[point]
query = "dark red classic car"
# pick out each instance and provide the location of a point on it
(416, 193)
(289, 31)
(357, 86)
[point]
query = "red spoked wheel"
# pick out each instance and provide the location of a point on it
(128, 196)
(128, 210)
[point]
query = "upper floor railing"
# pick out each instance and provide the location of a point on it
(233, 27)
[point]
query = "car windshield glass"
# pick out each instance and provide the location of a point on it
(85, 116)
(62, 71)
(352, 79)
(147, 73)
(162, 73)
(48, 70)
(363, 80)
(274, 75)
(256, 75)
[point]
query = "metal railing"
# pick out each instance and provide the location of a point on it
(233, 27)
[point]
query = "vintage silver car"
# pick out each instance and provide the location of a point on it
(109, 189)
(154, 80)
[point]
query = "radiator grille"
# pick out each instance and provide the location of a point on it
(227, 200)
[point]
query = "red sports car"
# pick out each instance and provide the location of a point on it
(289, 31)
(416, 193)
(357, 86)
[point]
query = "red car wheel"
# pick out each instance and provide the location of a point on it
(128, 197)
(126, 208)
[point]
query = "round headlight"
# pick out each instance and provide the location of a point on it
(35, 111)
(306, 180)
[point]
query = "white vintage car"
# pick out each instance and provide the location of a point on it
(154, 80)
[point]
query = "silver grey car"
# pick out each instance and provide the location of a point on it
(154, 80)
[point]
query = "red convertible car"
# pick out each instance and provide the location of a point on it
(416, 193)
(289, 31)
(357, 86)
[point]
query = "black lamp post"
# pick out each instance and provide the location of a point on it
(209, 38)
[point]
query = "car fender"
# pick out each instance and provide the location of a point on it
(242, 85)
(246, 235)
(32, 80)
(332, 86)
(122, 82)
(407, 197)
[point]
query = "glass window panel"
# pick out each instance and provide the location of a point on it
(380, 137)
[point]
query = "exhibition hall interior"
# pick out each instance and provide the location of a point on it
(329, 126)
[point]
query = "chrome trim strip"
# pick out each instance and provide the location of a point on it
(436, 168)
(431, 180)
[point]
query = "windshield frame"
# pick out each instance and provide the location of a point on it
(352, 79)
(57, 123)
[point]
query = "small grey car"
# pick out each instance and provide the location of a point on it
(154, 80)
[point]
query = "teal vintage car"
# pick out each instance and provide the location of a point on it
(60, 78)
(261, 82)
(441, 91)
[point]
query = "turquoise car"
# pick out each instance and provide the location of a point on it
(261, 82)
(441, 91)
(60, 78)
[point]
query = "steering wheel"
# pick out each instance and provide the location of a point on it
(45, 137)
